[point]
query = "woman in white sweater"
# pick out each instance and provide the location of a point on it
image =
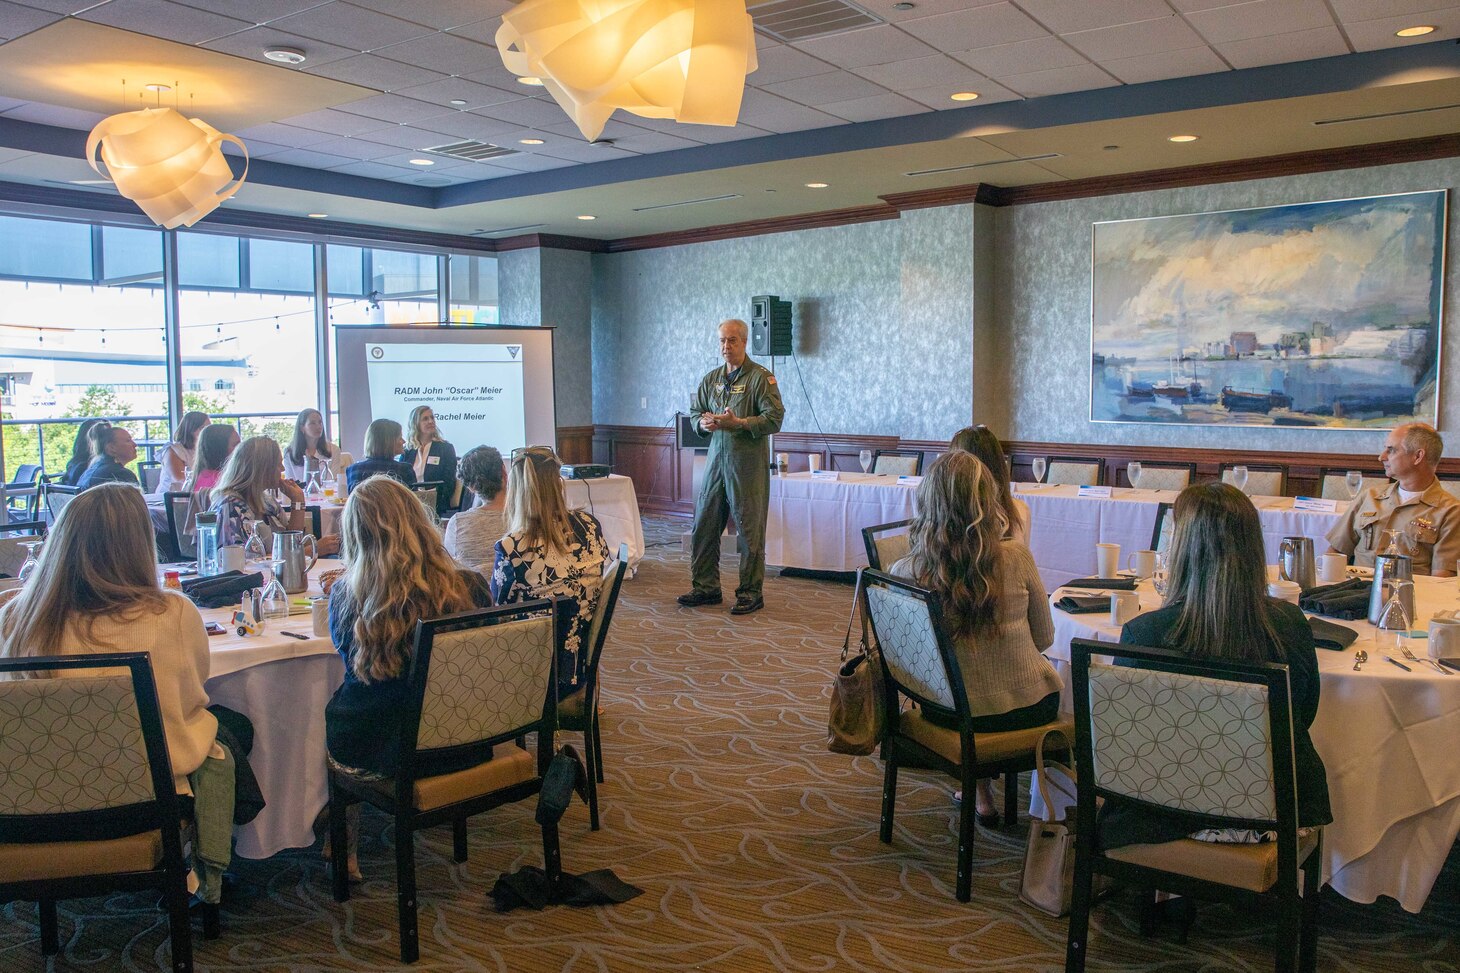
(96, 591)
(992, 598)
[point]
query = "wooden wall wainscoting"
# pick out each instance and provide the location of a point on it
(663, 475)
(575, 444)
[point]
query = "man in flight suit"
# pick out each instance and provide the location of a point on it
(738, 405)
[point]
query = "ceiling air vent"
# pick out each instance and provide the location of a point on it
(799, 20)
(471, 151)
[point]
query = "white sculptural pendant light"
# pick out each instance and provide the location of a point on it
(171, 166)
(680, 59)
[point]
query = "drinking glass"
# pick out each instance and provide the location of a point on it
(1354, 480)
(1239, 478)
(1391, 542)
(1394, 619)
(865, 457)
(1039, 467)
(1133, 473)
(274, 600)
(31, 561)
(1161, 576)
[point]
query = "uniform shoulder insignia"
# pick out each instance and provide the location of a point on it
(771, 379)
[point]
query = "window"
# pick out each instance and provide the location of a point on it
(473, 289)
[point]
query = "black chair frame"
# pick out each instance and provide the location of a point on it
(916, 454)
(588, 722)
(163, 814)
(53, 487)
(1297, 937)
(898, 750)
(396, 797)
(869, 541)
(1163, 510)
(27, 476)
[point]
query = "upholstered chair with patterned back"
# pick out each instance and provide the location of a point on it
(1165, 477)
(1066, 471)
(919, 666)
(887, 544)
(1262, 481)
(901, 462)
(1210, 742)
(579, 711)
(1334, 486)
(87, 803)
(478, 681)
(1452, 487)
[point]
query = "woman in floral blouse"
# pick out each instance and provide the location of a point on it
(243, 502)
(550, 550)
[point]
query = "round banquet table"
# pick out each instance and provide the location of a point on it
(1387, 738)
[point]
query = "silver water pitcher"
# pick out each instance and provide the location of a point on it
(293, 560)
(1295, 562)
(1389, 568)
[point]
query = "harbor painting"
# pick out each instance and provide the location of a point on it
(1318, 314)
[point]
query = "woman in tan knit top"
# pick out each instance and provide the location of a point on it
(992, 598)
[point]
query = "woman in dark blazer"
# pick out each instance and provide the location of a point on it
(431, 458)
(1217, 607)
(382, 441)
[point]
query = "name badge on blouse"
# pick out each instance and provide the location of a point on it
(432, 460)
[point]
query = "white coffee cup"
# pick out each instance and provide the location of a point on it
(1144, 563)
(230, 558)
(1124, 605)
(1332, 568)
(1444, 638)
(814, 462)
(1107, 560)
(1284, 590)
(319, 612)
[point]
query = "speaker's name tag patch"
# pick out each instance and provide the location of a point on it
(432, 460)
(737, 389)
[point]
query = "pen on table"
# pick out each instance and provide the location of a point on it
(303, 638)
(1448, 664)
(1386, 658)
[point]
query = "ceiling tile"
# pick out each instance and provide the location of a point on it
(496, 74)
(1046, 52)
(252, 43)
(257, 148)
(822, 88)
(1058, 81)
(1373, 9)
(371, 170)
(985, 26)
(440, 163)
(872, 45)
(782, 62)
(1132, 40)
(440, 14)
(1303, 45)
(877, 106)
(334, 122)
(530, 162)
(446, 53)
(1063, 17)
(482, 31)
(920, 72)
(927, 8)
(989, 93)
(712, 134)
(379, 73)
(647, 142)
(394, 108)
(583, 152)
(16, 20)
(403, 137)
(253, 11)
(8, 103)
(459, 89)
(467, 125)
(617, 127)
(765, 110)
(294, 138)
(308, 158)
(350, 26)
(526, 111)
(159, 18)
(62, 6)
(1187, 6)
(1260, 18)
(1167, 64)
(1371, 35)
(355, 149)
(75, 118)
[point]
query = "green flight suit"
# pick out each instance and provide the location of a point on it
(737, 474)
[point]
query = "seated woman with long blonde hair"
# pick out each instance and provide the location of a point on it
(993, 600)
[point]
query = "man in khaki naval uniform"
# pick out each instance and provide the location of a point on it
(1427, 517)
(739, 405)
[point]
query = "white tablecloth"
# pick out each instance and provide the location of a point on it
(613, 501)
(1387, 738)
(817, 523)
(1066, 527)
(282, 685)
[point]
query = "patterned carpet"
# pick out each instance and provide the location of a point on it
(756, 849)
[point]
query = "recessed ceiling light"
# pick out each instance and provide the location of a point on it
(1418, 31)
(816, 185)
(530, 141)
(284, 55)
(530, 80)
(159, 88)
(318, 216)
(423, 162)
(964, 95)
(1183, 138)
(602, 143)
(585, 217)
(902, 6)
(458, 101)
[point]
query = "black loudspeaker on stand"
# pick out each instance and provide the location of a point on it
(770, 326)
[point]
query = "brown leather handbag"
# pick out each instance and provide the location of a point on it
(856, 723)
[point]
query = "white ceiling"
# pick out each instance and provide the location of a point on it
(416, 56)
